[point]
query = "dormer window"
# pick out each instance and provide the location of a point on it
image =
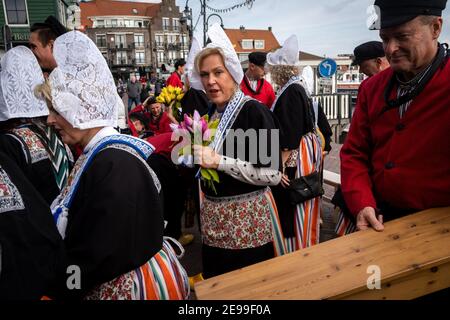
(247, 44)
(259, 44)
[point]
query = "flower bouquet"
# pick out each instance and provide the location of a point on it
(171, 97)
(199, 131)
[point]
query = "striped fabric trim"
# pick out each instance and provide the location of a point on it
(278, 243)
(161, 278)
(344, 225)
(59, 157)
(307, 214)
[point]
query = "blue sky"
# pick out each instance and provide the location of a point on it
(324, 27)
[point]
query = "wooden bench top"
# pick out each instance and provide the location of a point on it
(413, 254)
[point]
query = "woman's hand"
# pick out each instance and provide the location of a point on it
(206, 157)
(285, 182)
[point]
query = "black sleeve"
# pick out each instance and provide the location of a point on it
(40, 174)
(194, 100)
(293, 111)
(325, 128)
(265, 152)
(14, 150)
(30, 244)
(115, 223)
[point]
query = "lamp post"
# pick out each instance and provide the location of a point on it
(211, 15)
(187, 10)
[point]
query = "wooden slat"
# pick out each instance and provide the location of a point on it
(331, 178)
(405, 252)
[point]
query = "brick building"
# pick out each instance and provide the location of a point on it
(135, 38)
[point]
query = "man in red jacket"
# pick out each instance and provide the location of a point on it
(254, 84)
(395, 160)
(175, 78)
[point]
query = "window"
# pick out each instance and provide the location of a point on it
(128, 23)
(139, 40)
(185, 41)
(114, 23)
(176, 24)
(161, 57)
(121, 57)
(16, 12)
(120, 41)
(259, 44)
(101, 41)
(172, 39)
(140, 57)
(138, 23)
(247, 44)
(159, 40)
(165, 23)
(172, 55)
(243, 57)
(100, 24)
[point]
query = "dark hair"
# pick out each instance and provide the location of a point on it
(140, 117)
(179, 63)
(48, 30)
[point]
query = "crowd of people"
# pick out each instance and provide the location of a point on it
(91, 212)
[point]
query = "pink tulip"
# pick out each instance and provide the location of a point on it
(207, 135)
(204, 125)
(188, 120)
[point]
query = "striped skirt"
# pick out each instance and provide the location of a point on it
(161, 278)
(307, 214)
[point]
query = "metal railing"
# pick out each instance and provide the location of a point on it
(336, 106)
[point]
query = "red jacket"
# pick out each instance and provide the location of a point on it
(264, 92)
(174, 80)
(162, 125)
(402, 162)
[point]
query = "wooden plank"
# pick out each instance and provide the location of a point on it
(404, 252)
(331, 178)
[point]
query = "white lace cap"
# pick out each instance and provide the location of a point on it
(190, 63)
(220, 40)
(83, 89)
(308, 77)
(20, 74)
(288, 55)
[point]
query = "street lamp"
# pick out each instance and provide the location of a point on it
(213, 14)
(202, 12)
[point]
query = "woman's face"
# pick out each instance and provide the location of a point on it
(217, 81)
(155, 109)
(68, 134)
(138, 125)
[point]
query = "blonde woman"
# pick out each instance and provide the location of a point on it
(236, 220)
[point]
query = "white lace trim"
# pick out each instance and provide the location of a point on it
(220, 40)
(83, 89)
(20, 74)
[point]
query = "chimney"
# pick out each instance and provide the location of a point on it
(270, 29)
(242, 28)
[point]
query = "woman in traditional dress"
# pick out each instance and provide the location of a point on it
(30, 245)
(239, 220)
(24, 135)
(300, 146)
(109, 214)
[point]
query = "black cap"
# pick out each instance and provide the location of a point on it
(257, 58)
(367, 51)
(393, 13)
(179, 63)
(50, 23)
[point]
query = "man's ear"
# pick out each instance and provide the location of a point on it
(50, 43)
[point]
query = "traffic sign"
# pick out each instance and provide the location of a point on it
(327, 68)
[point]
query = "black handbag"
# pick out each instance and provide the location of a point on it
(305, 188)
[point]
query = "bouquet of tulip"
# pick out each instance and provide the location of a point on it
(200, 131)
(171, 97)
